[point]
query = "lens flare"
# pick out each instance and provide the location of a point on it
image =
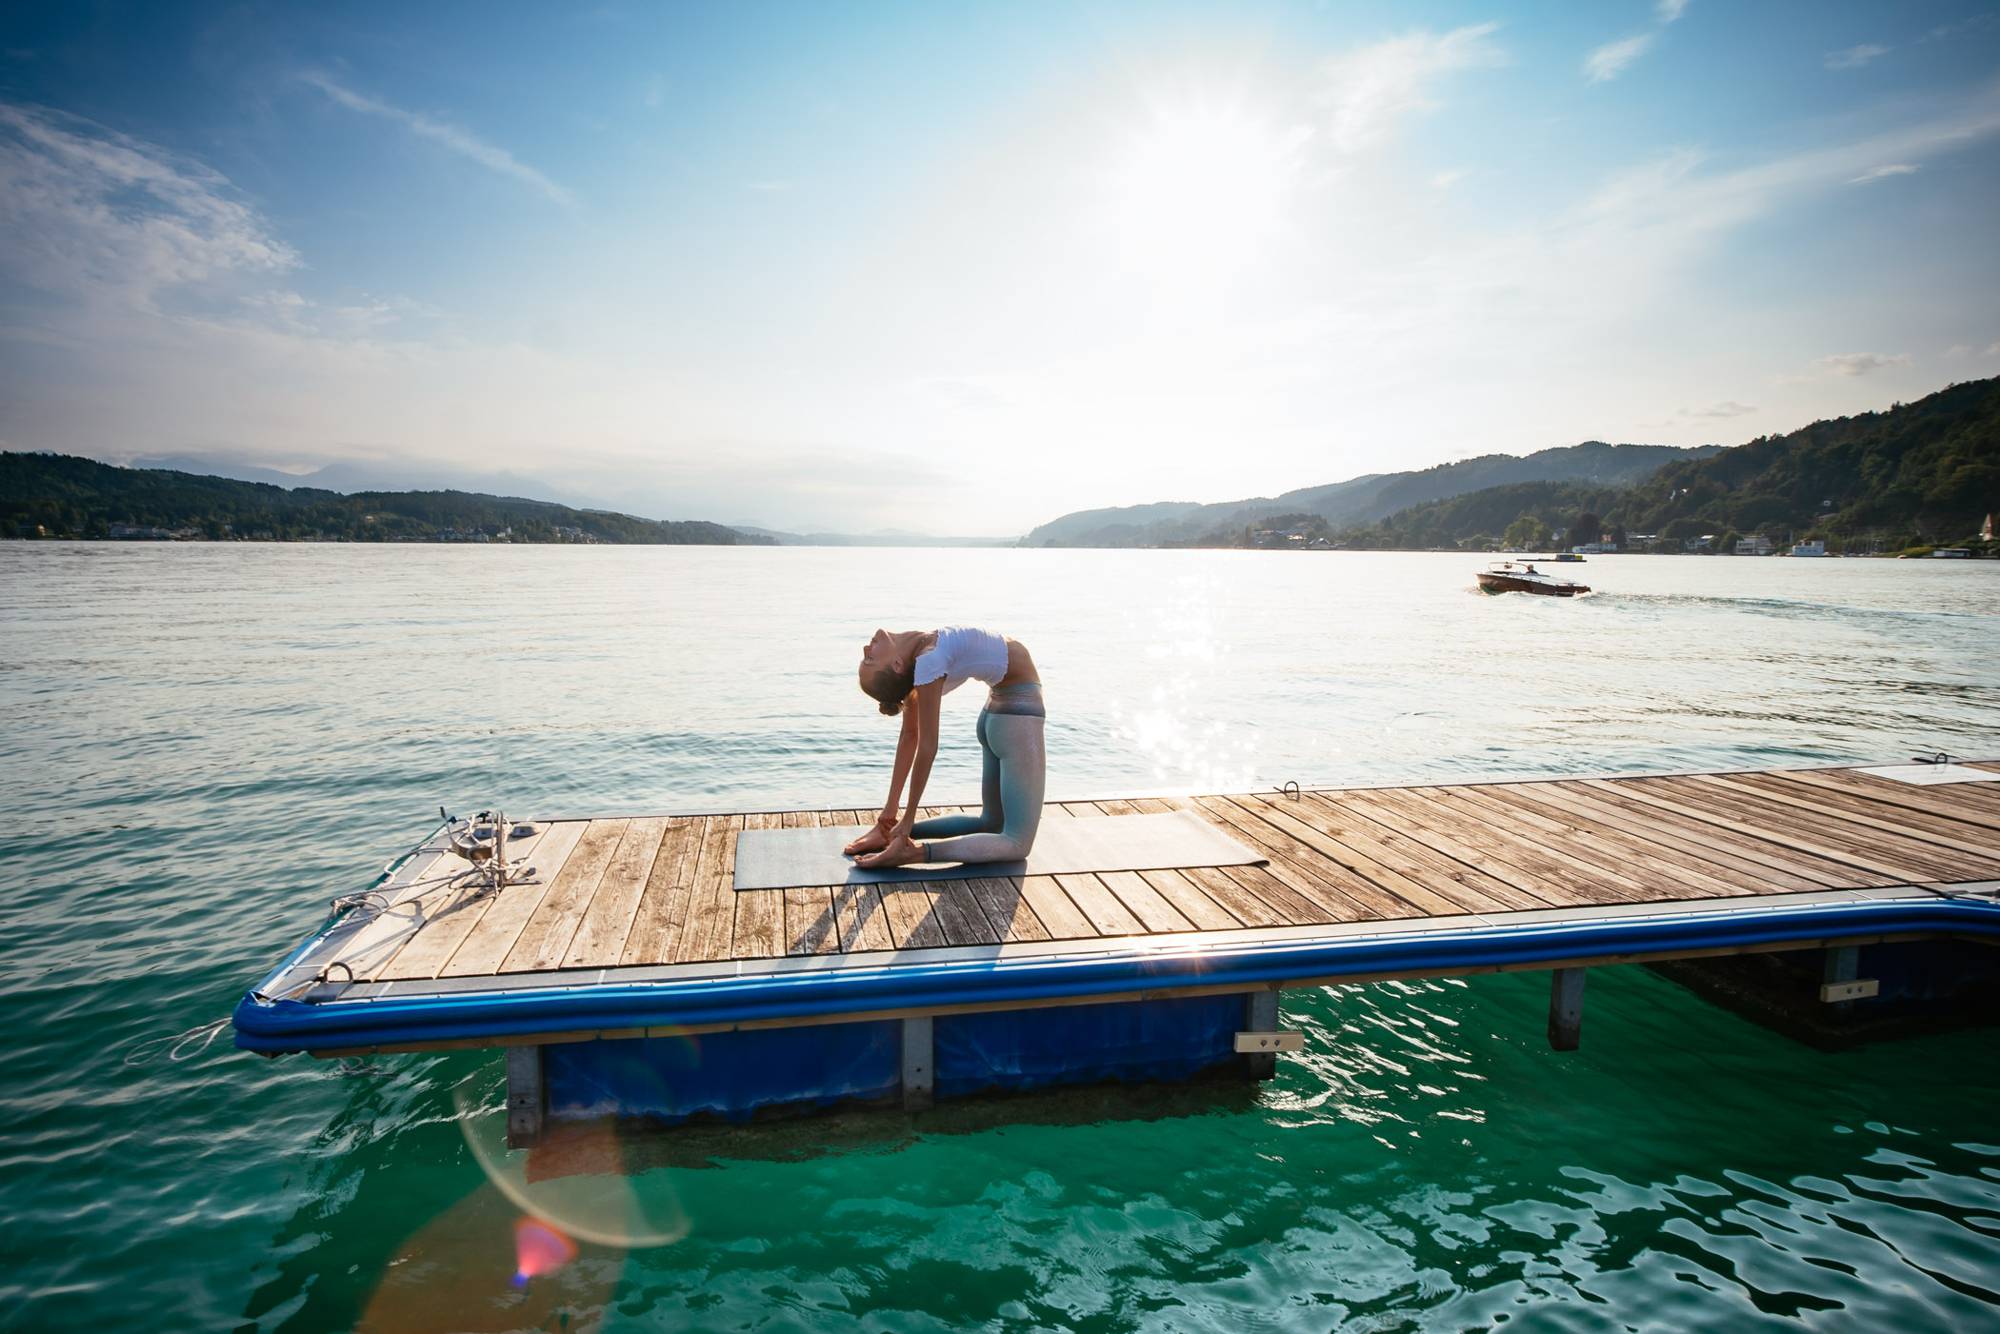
(539, 1249)
(583, 1180)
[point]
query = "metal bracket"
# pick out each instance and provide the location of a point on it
(1284, 1039)
(1832, 993)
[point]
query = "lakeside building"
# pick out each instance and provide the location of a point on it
(1755, 545)
(1816, 547)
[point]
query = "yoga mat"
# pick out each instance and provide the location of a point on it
(785, 858)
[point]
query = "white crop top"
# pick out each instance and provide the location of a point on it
(963, 654)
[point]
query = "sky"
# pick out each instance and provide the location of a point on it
(960, 269)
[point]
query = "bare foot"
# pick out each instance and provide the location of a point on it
(901, 852)
(872, 841)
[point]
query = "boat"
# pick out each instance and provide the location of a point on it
(1506, 576)
(1569, 558)
(1816, 547)
(1952, 553)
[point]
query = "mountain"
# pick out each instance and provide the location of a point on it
(891, 537)
(1920, 472)
(59, 496)
(1360, 500)
(349, 477)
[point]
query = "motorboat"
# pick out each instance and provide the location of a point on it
(1569, 558)
(1507, 576)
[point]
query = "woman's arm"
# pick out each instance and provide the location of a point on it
(906, 749)
(925, 710)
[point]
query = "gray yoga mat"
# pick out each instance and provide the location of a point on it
(784, 858)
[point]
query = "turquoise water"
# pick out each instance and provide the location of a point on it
(204, 743)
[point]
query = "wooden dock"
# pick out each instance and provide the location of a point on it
(654, 893)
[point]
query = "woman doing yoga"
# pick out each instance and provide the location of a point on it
(908, 674)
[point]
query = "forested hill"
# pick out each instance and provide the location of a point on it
(1923, 472)
(56, 495)
(1358, 500)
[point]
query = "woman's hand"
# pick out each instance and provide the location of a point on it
(876, 838)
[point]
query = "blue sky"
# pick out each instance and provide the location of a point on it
(960, 269)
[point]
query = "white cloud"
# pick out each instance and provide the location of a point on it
(1367, 91)
(95, 215)
(1444, 180)
(1669, 10)
(1854, 57)
(1850, 364)
(1720, 411)
(1610, 60)
(459, 141)
(1882, 172)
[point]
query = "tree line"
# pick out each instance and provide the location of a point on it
(60, 496)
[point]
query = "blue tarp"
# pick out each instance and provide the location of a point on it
(725, 1074)
(732, 1075)
(1083, 1044)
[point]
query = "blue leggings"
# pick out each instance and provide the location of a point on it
(1013, 776)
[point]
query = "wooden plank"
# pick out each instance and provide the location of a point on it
(809, 918)
(1473, 839)
(1925, 826)
(1161, 898)
(425, 953)
(759, 931)
(1653, 792)
(1290, 818)
(542, 939)
(1754, 848)
(1331, 892)
(1599, 868)
(1374, 836)
(662, 911)
(960, 915)
(913, 919)
(1936, 800)
(1108, 917)
(1143, 901)
(612, 911)
(860, 920)
(1006, 908)
(1778, 868)
(1057, 912)
(1188, 899)
(809, 921)
(1857, 842)
(436, 885)
(1248, 905)
(1658, 868)
(711, 910)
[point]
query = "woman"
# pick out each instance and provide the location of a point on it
(908, 674)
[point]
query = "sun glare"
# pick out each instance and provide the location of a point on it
(1201, 189)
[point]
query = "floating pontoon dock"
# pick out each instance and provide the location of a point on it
(629, 977)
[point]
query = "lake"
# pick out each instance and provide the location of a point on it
(204, 743)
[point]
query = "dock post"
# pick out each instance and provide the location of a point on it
(1260, 1015)
(918, 1049)
(527, 1097)
(1566, 1009)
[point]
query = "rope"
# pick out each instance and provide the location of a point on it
(175, 1046)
